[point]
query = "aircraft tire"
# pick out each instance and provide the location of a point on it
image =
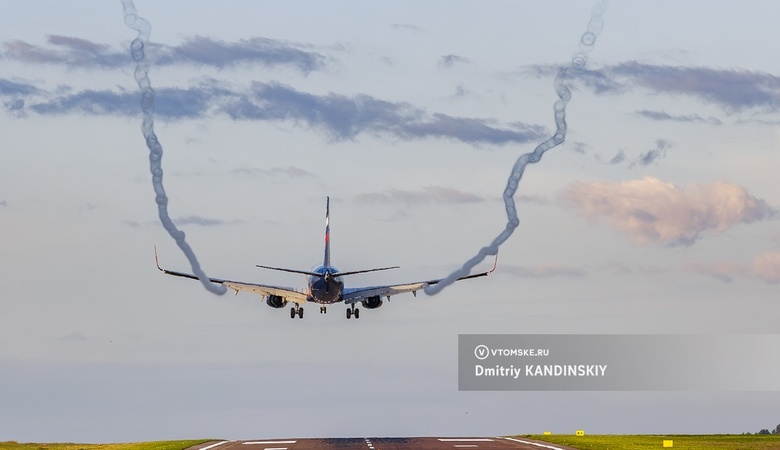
(300, 313)
(349, 313)
(292, 313)
(357, 313)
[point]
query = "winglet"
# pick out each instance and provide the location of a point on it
(495, 263)
(156, 260)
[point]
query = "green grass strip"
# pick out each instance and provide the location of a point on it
(643, 441)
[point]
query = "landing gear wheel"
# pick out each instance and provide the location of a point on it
(357, 313)
(349, 313)
(323, 310)
(300, 313)
(292, 313)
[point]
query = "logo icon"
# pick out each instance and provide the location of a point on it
(481, 352)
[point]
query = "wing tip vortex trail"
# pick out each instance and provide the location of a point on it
(578, 62)
(141, 75)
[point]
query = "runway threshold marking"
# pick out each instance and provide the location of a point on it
(466, 440)
(214, 445)
(368, 442)
(551, 447)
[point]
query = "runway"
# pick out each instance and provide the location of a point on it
(412, 443)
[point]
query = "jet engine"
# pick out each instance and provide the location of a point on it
(372, 302)
(275, 301)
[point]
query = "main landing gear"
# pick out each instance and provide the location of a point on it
(353, 312)
(323, 310)
(296, 310)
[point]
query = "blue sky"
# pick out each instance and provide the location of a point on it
(657, 215)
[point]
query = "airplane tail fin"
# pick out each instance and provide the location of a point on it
(326, 259)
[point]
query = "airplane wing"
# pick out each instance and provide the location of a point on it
(355, 295)
(290, 294)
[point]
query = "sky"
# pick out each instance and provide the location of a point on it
(657, 215)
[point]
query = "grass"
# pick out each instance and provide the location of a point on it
(643, 442)
(160, 445)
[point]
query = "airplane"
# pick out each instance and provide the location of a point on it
(325, 285)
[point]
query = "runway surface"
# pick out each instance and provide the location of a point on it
(413, 443)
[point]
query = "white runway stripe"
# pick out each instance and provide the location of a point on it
(268, 442)
(551, 447)
(466, 440)
(214, 445)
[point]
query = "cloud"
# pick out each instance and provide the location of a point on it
(74, 337)
(653, 155)
(68, 51)
(198, 220)
(450, 60)
(406, 27)
(346, 117)
(258, 50)
(289, 171)
(723, 271)
(766, 266)
(424, 196)
(341, 117)
(542, 271)
(651, 211)
(690, 118)
(185, 220)
(535, 199)
(732, 90)
(618, 158)
(75, 52)
(11, 88)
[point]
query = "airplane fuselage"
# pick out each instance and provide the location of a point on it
(327, 289)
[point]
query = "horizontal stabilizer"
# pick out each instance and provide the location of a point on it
(281, 269)
(341, 274)
(322, 275)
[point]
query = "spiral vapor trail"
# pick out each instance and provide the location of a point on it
(578, 62)
(141, 75)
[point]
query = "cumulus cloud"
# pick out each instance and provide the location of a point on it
(75, 52)
(651, 211)
(424, 196)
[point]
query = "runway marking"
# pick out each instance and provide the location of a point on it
(467, 440)
(465, 445)
(275, 448)
(267, 442)
(214, 445)
(534, 443)
(368, 442)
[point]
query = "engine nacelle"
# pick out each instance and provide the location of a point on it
(276, 301)
(372, 302)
